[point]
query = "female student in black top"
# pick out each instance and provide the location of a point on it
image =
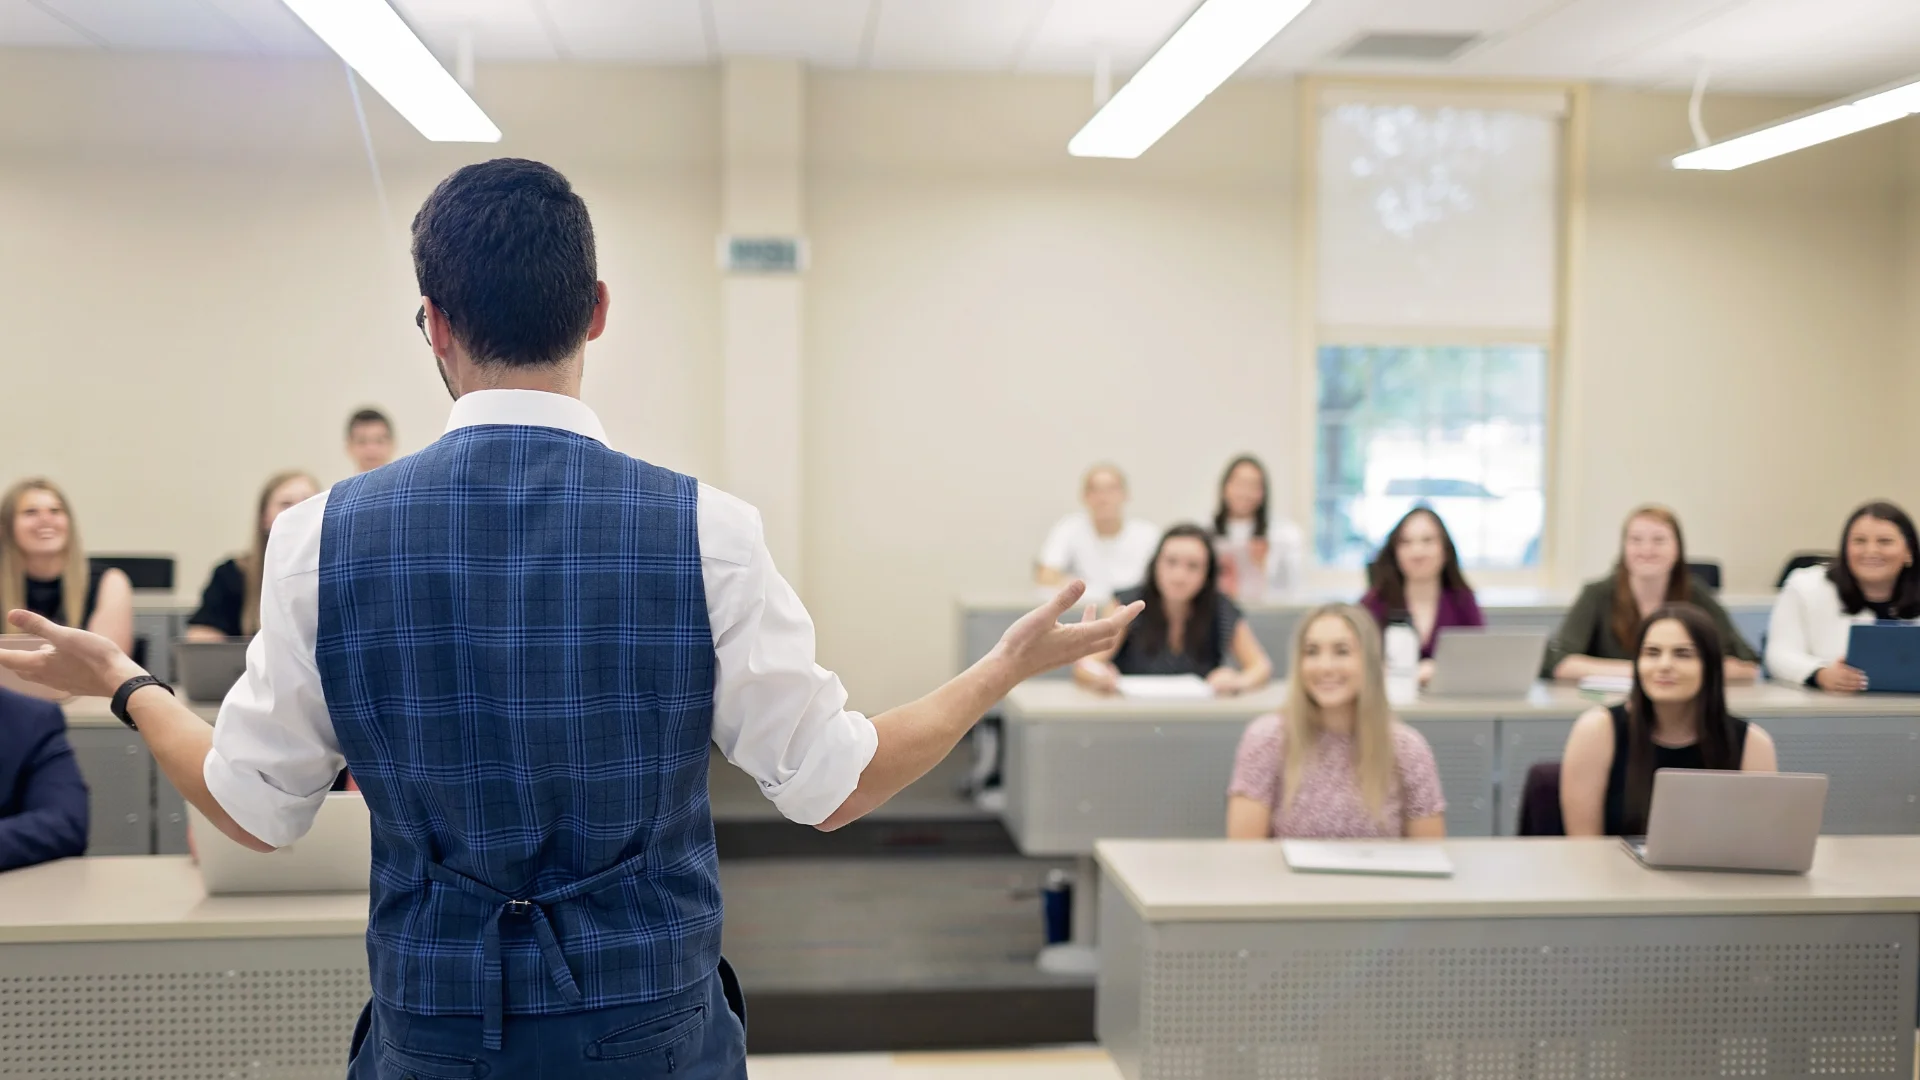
(1675, 718)
(44, 568)
(230, 604)
(1188, 628)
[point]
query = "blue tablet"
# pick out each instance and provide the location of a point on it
(1890, 655)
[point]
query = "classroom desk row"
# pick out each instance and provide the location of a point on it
(983, 618)
(132, 809)
(1545, 959)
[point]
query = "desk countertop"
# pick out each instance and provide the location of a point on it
(157, 898)
(1243, 881)
(1059, 700)
(1498, 599)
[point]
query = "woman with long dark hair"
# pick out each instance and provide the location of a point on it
(1259, 555)
(230, 604)
(1187, 627)
(1675, 718)
(1596, 637)
(1872, 579)
(1417, 572)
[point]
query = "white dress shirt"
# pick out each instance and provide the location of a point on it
(777, 715)
(1107, 564)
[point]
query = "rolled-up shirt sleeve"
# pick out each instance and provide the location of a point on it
(777, 714)
(275, 753)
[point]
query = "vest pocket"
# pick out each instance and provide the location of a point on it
(425, 1066)
(652, 1035)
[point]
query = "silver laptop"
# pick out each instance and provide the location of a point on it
(335, 856)
(1717, 819)
(1473, 662)
(208, 669)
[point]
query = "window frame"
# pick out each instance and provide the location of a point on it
(1560, 479)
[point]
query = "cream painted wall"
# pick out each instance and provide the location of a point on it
(986, 316)
(197, 285)
(1733, 332)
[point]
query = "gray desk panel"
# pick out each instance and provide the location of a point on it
(1464, 751)
(119, 775)
(160, 629)
(1873, 764)
(181, 1010)
(169, 817)
(1071, 784)
(1652, 998)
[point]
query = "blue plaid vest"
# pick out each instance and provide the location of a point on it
(514, 647)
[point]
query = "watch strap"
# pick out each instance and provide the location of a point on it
(120, 696)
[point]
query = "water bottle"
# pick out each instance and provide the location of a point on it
(1056, 900)
(1403, 660)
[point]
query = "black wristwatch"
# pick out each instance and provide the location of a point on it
(120, 696)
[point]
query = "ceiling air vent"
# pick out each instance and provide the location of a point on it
(1425, 47)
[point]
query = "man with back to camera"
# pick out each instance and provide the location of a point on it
(522, 642)
(369, 440)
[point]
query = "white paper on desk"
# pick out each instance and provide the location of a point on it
(1389, 858)
(1607, 684)
(1165, 687)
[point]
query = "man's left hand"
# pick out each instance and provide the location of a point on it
(72, 661)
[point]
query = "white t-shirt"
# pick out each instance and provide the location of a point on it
(1106, 563)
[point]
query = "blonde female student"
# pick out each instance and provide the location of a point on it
(44, 567)
(230, 604)
(1335, 764)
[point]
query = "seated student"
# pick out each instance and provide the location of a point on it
(1597, 634)
(1873, 579)
(369, 439)
(230, 604)
(43, 566)
(1188, 628)
(1101, 545)
(1418, 572)
(1258, 557)
(1676, 718)
(1334, 764)
(43, 800)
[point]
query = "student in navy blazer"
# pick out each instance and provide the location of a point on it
(43, 801)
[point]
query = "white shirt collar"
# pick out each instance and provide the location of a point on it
(526, 408)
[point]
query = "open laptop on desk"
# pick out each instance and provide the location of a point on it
(1473, 662)
(1717, 819)
(336, 855)
(1889, 653)
(208, 669)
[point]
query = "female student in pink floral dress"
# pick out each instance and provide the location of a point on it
(1335, 764)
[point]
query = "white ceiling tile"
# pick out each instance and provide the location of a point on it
(824, 32)
(269, 26)
(1770, 44)
(154, 24)
(23, 24)
(1075, 32)
(647, 31)
(501, 29)
(977, 34)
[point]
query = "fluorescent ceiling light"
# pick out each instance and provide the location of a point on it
(1212, 44)
(373, 41)
(1808, 129)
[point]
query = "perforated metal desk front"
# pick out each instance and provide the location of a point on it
(1539, 960)
(123, 969)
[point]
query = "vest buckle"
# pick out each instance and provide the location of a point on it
(519, 907)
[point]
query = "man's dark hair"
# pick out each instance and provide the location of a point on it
(368, 416)
(505, 250)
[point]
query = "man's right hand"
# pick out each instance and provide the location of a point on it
(1039, 642)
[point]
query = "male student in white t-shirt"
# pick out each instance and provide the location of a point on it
(1099, 545)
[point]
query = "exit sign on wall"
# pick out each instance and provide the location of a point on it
(763, 254)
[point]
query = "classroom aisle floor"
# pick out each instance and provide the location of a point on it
(1068, 1063)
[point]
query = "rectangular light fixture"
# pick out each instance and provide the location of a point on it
(1824, 124)
(374, 42)
(1215, 41)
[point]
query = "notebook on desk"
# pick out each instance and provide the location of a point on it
(1165, 687)
(1389, 858)
(1889, 653)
